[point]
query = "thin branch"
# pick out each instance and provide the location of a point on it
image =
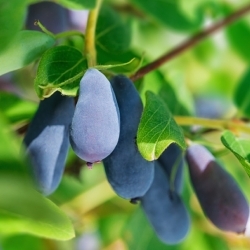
(190, 43)
(236, 125)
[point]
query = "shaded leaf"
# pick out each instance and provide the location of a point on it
(61, 68)
(113, 33)
(239, 147)
(242, 94)
(26, 47)
(157, 129)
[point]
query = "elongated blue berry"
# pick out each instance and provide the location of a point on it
(47, 140)
(218, 193)
(165, 209)
(127, 171)
(95, 126)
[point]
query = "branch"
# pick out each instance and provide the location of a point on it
(235, 125)
(189, 43)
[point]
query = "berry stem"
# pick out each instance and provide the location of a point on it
(213, 123)
(90, 50)
(190, 43)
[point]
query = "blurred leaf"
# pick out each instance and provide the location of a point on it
(11, 153)
(242, 94)
(157, 129)
(239, 147)
(24, 242)
(25, 47)
(12, 16)
(15, 108)
(23, 210)
(61, 68)
(238, 34)
(169, 13)
(78, 4)
(113, 33)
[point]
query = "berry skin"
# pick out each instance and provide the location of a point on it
(95, 125)
(219, 195)
(47, 141)
(127, 171)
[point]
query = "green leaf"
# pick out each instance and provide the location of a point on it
(238, 34)
(12, 16)
(113, 33)
(11, 153)
(239, 147)
(15, 108)
(23, 210)
(242, 94)
(169, 13)
(78, 4)
(127, 67)
(61, 68)
(25, 48)
(157, 129)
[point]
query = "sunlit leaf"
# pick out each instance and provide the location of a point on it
(157, 129)
(239, 147)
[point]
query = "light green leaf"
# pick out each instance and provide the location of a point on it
(61, 68)
(26, 47)
(242, 94)
(239, 147)
(12, 16)
(157, 129)
(78, 4)
(23, 210)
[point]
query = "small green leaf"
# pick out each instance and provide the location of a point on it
(23, 210)
(61, 68)
(113, 34)
(169, 13)
(239, 147)
(78, 4)
(242, 94)
(15, 108)
(12, 16)
(157, 129)
(25, 48)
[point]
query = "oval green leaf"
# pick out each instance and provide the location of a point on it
(78, 4)
(157, 129)
(239, 147)
(26, 47)
(61, 68)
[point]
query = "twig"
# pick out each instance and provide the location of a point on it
(90, 50)
(189, 43)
